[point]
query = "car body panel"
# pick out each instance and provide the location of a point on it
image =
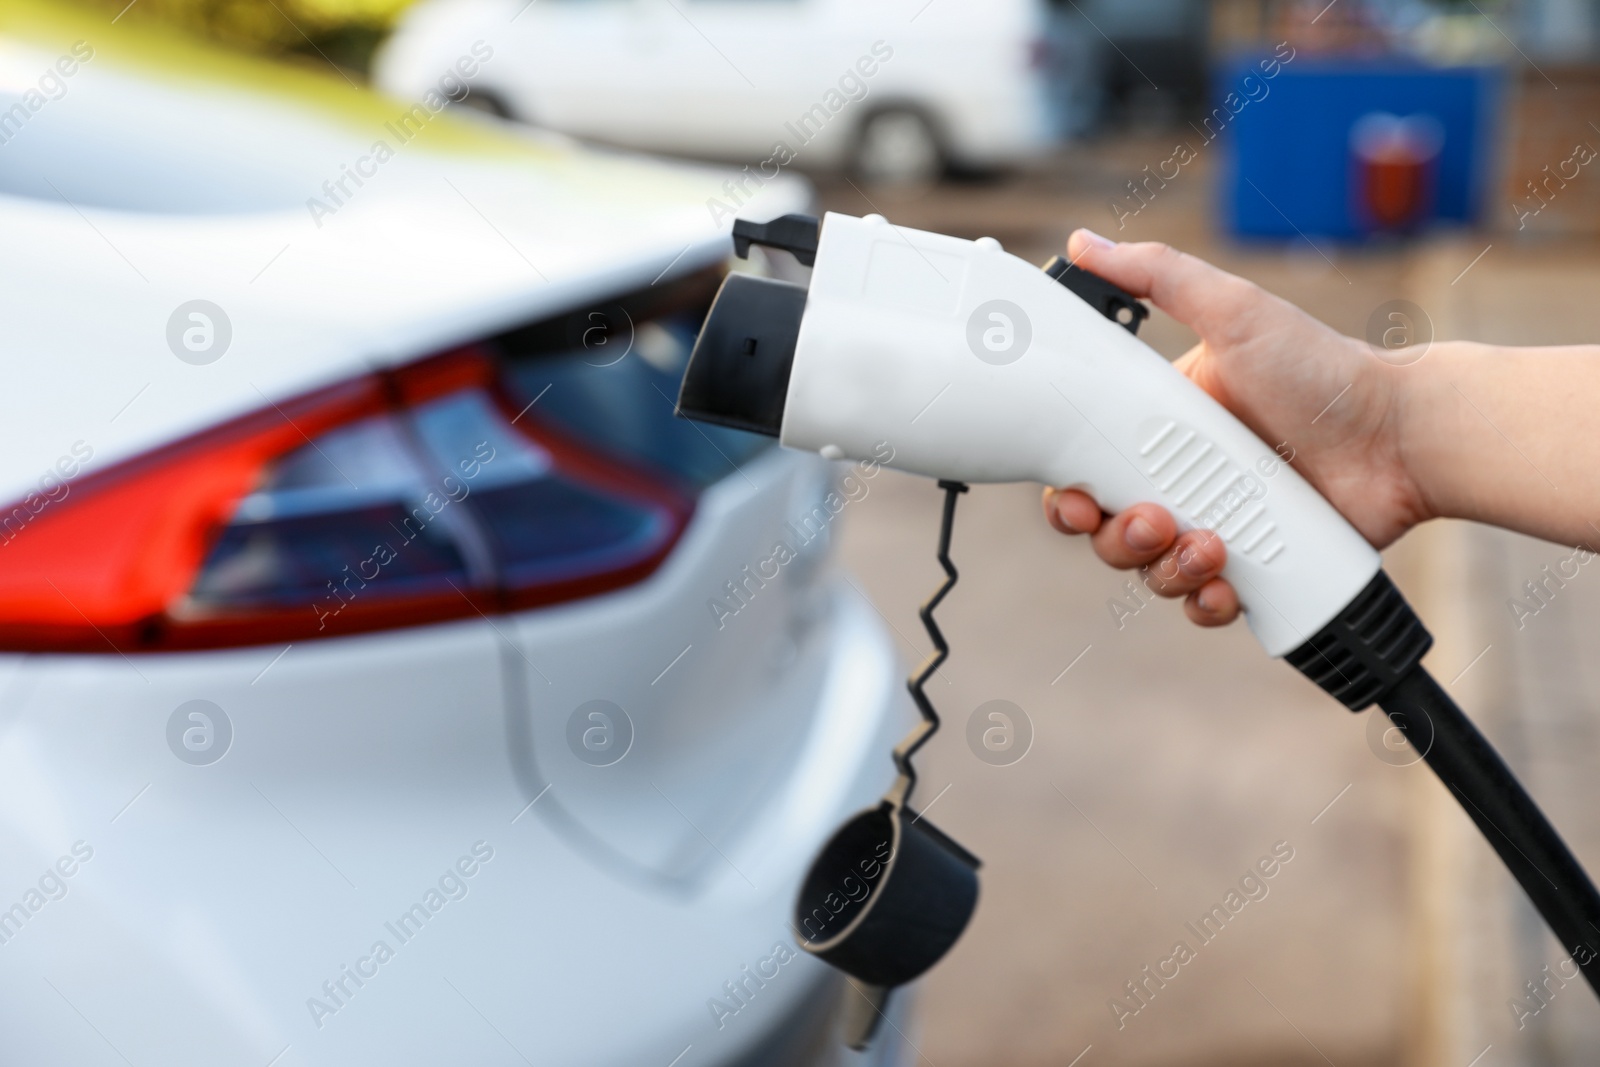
(699, 715)
(219, 899)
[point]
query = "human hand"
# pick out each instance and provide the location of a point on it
(1323, 400)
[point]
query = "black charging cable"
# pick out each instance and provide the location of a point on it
(1370, 654)
(1508, 817)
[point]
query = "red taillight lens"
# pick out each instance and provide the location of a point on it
(415, 496)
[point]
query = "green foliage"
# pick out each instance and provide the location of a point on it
(345, 32)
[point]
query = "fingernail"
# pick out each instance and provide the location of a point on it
(1095, 240)
(1061, 515)
(1141, 536)
(1193, 565)
(1206, 600)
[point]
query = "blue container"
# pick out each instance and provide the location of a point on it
(1288, 167)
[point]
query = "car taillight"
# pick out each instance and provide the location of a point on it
(411, 496)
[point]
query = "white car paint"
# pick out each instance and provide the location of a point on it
(207, 906)
(733, 78)
(453, 239)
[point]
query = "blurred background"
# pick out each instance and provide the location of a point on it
(1402, 169)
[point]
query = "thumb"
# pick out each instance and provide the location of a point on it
(1208, 300)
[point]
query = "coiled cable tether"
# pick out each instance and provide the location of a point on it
(1370, 654)
(900, 794)
(890, 893)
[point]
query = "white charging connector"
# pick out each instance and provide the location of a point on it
(977, 366)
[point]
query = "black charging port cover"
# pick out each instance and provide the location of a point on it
(738, 374)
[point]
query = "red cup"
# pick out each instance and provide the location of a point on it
(1395, 163)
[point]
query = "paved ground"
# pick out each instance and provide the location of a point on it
(1166, 762)
(1525, 677)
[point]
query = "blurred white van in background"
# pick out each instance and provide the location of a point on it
(892, 90)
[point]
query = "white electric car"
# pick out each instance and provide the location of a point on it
(893, 89)
(384, 677)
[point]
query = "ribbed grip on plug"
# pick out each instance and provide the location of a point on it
(1367, 648)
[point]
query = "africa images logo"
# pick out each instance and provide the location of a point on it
(999, 332)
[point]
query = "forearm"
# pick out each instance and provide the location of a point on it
(1506, 436)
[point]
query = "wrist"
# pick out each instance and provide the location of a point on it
(1428, 415)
